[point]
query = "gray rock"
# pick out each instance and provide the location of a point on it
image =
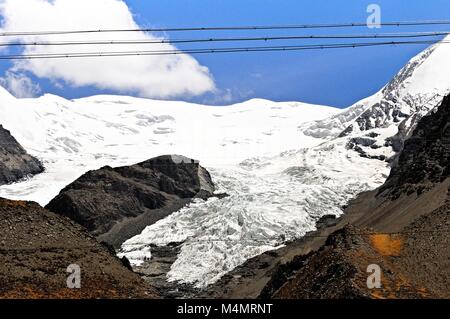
(115, 204)
(15, 162)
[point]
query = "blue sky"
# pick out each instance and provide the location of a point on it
(331, 77)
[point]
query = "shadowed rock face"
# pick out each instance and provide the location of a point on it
(117, 203)
(36, 248)
(15, 163)
(425, 158)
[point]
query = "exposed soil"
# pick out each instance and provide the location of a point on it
(37, 246)
(414, 264)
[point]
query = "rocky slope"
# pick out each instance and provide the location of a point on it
(36, 248)
(425, 159)
(15, 162)
(115, 204)
(418, 182)
(414, 264)
(403, 227)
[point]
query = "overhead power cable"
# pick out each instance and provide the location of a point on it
(230, 28)
(212, 50)
(232, 39)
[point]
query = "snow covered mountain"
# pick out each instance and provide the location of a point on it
(72, 137)
(411, 94)
(284, 165)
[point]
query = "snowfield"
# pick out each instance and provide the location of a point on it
(284, 165)
(72, 137)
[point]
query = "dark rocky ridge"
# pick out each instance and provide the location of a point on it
(115, 204)
(425, 157)
(15, 162)
(403, 227)
(37, 246)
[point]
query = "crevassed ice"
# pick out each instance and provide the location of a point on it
(271, 200)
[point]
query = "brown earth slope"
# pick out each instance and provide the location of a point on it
(414, 264)
(37, 246)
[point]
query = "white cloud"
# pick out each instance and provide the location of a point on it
(19, 85)
(147, 76)
(227, 96)
(220, 97)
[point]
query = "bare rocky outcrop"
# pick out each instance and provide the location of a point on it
(115, 204)
(425, 159)
(15, 162)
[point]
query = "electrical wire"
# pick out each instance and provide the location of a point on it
(212, 50)
(235, 39)
(230, 28)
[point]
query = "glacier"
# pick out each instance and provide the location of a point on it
(74, 136)
(283, 164)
